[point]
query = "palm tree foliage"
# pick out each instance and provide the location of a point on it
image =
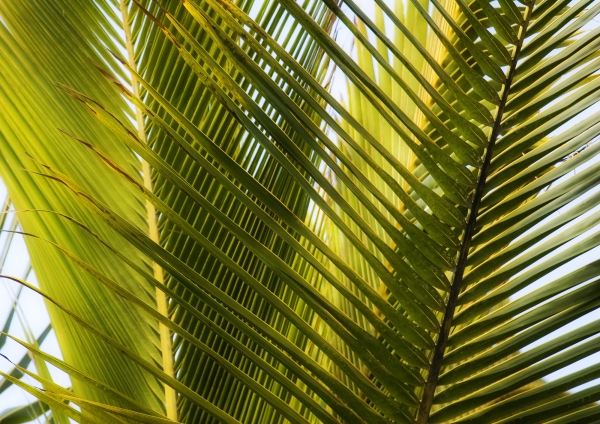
(220, 237)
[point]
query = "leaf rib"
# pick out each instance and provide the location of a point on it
(439, 350)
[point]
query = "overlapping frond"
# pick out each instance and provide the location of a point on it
(42, 44)
(387, 257)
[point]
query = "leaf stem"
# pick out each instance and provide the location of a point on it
(161, 298)
(438, 353)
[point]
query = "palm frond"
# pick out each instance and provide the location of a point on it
(397, 256)
(32, 110)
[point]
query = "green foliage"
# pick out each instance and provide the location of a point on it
(327, 258)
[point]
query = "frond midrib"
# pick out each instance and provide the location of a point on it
(455, 288)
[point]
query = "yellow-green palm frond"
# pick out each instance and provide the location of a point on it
(404, 252)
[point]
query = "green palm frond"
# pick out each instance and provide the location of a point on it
(406, 252)
(23, 414)
(32, 110)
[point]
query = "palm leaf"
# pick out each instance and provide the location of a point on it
(75, 32)
(325, 260)
(23, 414)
